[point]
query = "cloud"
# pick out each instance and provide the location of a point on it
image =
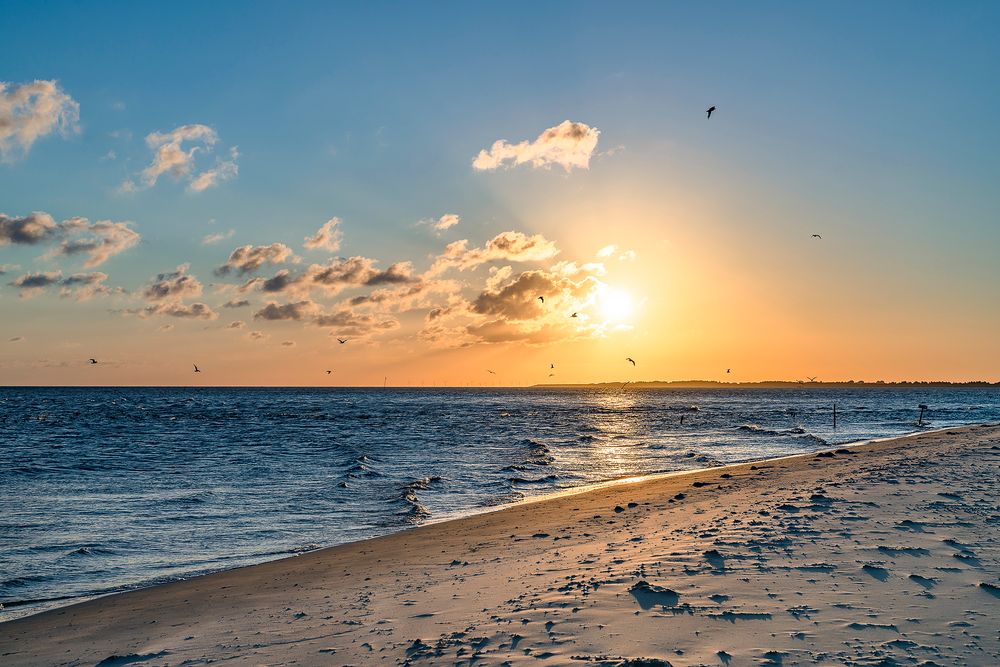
(446, 221)
(256, 335)
(348, 323)
(609, 250)
(335, 276)
(99, 241)
(80, 286)
(328, 237)
(568, 144)
(289, 311)
(234, 303)
(248, 258)
(238, 324)
(507, 246)
(224, 170)
(166, 327)
(171, 157)
(32, 229)
(215, 238)
(288, 343)
(199, 311)
(16, 339)
(175, 285)
(30, 111)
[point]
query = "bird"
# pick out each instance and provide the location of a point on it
(552, 375)
(552, 365)
(196, 369)
(328, 372)
(341, 340)
(573, 315)
(728, 370)
(630, 360)
(542, 299)
(491, 372)
(710, 110)
(93, 361)
(811, 379)
(817, 236)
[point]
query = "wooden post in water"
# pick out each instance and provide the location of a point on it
(834, 415)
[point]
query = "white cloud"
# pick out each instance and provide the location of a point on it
(446, 221)
(171, 156)
(328, 237)
(568, 144)
(99, 241)
(215, 238)
(507, 246)
(31, 111)
(248, 258)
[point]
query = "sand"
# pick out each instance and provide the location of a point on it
(886, 555)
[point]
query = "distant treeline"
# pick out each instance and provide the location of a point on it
(780, 384)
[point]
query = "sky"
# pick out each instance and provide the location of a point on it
(242, 185)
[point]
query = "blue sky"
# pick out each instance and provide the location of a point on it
(875, 122)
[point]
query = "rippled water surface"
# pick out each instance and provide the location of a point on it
(107, 489)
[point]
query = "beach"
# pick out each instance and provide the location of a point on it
(881, 553)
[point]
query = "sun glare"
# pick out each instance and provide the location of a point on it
(616, 304)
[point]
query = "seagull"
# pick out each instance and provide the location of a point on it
(491, 372)
(328, 372)
(196, 369)
(810, 379)
(817, 236)
(729, 370)
(710, 110)
(93, 361)
(552, 375)
(630, 360)
(552, 365)
(573, 315)
(542, 299)
(341, 340)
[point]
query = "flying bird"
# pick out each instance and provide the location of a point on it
(542, 299)
(728, 370)
(328, 372)
(552, 375)
(810, 379)
(552, 365)
(196, 369)
(341, 340)
(491, 372)
(573, 315)
(710, 110)
(630, 360)
(93, 361)
(817, 236)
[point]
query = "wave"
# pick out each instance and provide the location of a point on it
(415, 510)
(797, 432)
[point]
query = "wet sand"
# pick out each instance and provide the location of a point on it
(887, 553)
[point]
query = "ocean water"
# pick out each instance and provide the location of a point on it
(103, 490)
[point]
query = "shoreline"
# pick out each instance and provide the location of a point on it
(640, 557)
(70, 601)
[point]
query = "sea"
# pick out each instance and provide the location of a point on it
(109, 489)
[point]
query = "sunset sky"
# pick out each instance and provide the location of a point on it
(238, 185)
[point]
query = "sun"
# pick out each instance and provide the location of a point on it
(616, 304)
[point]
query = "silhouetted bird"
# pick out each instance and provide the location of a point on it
(728, 370)
(630, 360)
(341, 340)
(817, 236)
(93, 361)
(552, 365)
(573, 315)
(196, 369)
(542, 299)
(710, 110)
(810, 379)
(328, 372)
(491, 372)
(552, 375)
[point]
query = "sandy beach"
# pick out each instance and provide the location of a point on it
(885, 554)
